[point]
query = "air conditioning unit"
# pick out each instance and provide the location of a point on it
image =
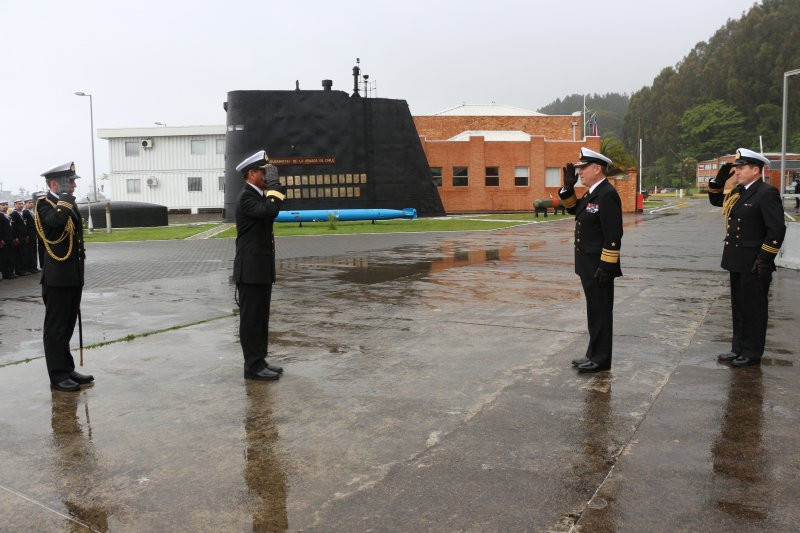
(147, 143)
(152, 181)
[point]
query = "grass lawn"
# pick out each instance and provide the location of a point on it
(653, 203)
(525, 217)
(159, 233)
(380, 226)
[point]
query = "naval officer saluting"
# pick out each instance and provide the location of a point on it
(254, 264)
(754, 231)
(598, 239)
(60, 229)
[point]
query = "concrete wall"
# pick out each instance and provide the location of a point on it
(789, 256)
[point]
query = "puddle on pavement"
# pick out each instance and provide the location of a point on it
(364, 270)
(772, 361)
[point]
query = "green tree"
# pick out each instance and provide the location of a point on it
(769, 126)
(615, 150)
(711, 129)
(741, 64)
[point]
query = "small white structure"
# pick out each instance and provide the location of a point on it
(178, 167)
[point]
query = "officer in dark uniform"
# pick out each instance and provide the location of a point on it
(598, 238)
(754, 231)
(254, 264)
(20, 237)
(6, 240)
(60, 228)
(31, 255)
(40, 242)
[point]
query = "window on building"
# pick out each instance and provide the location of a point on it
(195, 184)
(492, 176)
(131, 149)
(436, 174)
(221, 146)
(708, 166)
(221, 183)
(133, 185)
(198, 146)
(520, 176)
(552, 177)
(460, 177)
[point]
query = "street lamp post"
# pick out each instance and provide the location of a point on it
(91, 125)
(783, 126)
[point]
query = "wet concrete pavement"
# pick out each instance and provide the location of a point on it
(427, 387)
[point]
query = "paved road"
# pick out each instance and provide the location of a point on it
(427, 387)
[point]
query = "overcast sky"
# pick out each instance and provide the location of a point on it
(174, 61)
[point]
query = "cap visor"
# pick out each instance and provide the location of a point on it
(580, 164)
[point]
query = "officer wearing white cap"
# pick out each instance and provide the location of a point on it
(598, 239)
(6, 242)
(754, 231)
(254, 264)
(60, 229)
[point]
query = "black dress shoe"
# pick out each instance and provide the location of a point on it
(591, 366)
(66, 386)
(579, 362)
(24, 273)
(727, 357)
(276, 369)
(263, 375)
(81, 379)
(745, 361)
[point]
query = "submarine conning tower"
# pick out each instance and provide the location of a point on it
(332, 150)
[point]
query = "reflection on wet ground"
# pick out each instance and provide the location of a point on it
(74, 462)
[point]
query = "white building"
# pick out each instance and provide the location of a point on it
(182, 168)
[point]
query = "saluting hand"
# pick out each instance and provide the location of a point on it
(570, 177)
(722, 176)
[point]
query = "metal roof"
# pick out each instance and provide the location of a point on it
(161, 131)
(493, 135)
(487, 110)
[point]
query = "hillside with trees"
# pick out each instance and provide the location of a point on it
(609, 110)
(724, 94)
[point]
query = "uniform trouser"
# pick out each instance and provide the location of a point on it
(749, 302)
(61, 306)
(40, 252)
(600, 312)
(5, 264)
(254, 302)
(31, 256)
(19, 257)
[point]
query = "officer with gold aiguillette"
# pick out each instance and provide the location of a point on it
(60, 229)
(754, 231)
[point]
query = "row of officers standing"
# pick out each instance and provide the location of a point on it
(20, 254)
(754, 231)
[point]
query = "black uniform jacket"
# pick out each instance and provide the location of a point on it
(29, 224)
(53, 214)
(6, 233)
(18, 226)
(754, 225)
(598, 229)
(255, 242)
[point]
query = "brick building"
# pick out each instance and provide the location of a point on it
(488, 158)
(708, 169)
